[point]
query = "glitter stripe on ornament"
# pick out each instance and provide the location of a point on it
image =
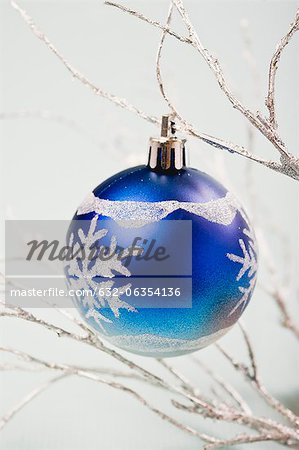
(137, 214)
(155, 345)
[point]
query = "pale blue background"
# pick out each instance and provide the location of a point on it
(49, 168)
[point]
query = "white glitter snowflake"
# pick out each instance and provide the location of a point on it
(248, 263)
(82, 273)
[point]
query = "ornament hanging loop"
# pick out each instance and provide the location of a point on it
(168, 127)
(167, 153)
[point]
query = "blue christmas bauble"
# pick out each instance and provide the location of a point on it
(217, 262)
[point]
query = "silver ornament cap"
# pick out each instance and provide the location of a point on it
(167, 153)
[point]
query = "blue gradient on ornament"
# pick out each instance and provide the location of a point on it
(214, 286)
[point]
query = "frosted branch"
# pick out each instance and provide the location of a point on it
(72, 370)
(227, 387)
(270, 99)
(195, 402)
(158, 61)
(155, 23)
(27, 399)
(276, 291)
(123, 103)
(289, 164)
(251, 374)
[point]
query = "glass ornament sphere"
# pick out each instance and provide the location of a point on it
(219, 249)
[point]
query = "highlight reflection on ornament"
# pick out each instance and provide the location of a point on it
(148, 199)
